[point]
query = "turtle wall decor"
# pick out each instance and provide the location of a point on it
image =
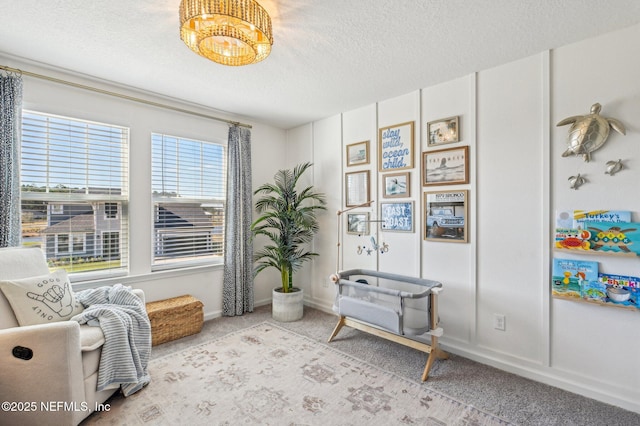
(589, 132)
(577, 181)
(613, 167)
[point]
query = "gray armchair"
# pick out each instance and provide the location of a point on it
(47, 363)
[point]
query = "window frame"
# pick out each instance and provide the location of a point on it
(54, 133)
(215, 206)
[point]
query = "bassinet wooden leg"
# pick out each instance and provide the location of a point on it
(427, 367)
(336, 330)
(435, 352)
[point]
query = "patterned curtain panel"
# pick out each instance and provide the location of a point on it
(237, 295)
(10, 113)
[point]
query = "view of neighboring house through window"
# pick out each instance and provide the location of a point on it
(188, 184)
(74, 180)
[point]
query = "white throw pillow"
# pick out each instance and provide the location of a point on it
(42, 299)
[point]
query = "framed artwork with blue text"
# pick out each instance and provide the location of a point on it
(397, 216)
(395, 147)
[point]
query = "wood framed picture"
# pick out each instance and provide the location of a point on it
(395, 147)
(443, 131)
(358, 153)
(356, 188)
(445, 166)
(397, 216)
(358, 223)
(396, 185)
(446, 216)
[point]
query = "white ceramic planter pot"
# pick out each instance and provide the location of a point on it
(287, 307)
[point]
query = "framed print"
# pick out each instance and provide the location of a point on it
(395, 147)
(397, 216)
(446, 216)
(396, 185)
(445, 166)
(358, 153)
(358, 223)
(443, 131)
(356, 188)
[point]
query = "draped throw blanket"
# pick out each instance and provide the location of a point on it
(127, 336)
(10, 113)
(237, 297)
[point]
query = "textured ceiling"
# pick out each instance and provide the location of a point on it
(329, 56)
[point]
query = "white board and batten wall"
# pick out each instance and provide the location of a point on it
(518, 180)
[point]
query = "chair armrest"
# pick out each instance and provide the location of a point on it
(53, 373)
(139, 293)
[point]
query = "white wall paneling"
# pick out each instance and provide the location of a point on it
(403, 256)
(517, 182)
(449, 262)
(358, 126)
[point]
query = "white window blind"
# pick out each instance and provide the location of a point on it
(74, 180)
(189, 190)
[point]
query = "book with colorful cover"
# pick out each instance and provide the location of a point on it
(575, 219)
(627, 289)
(569, 276)
(594, 290)
(621, 280)
(619, 237)
(574, 239)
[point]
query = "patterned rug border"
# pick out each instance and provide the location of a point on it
(340, 353)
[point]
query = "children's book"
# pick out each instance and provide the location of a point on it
(627, 289)
(575, 219)
(619, 237)
(569, 276)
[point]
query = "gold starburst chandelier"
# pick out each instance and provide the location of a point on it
(229, 32)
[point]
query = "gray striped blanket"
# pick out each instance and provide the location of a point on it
(127, 334)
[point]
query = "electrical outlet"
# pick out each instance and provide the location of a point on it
(499, 322)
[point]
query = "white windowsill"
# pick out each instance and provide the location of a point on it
(132, 279)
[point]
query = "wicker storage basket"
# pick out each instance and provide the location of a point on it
(174, 318)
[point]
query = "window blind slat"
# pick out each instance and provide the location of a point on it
(188, 182)
(74, 192)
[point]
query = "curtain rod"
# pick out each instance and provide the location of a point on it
(121, 96)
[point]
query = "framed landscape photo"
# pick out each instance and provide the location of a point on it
(445, 166)
(446, 216)
(358, 153)
(358, 223)
(397, 216)
(396, 185)
(443, 131)
(395, 147)
(356, 188)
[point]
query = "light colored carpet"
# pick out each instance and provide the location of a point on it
(268, 375)
(517, 399)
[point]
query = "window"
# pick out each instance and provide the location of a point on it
(189, 185)
(70, 244)
(110, 210)
(74, 180)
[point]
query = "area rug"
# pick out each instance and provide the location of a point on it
(267, 375)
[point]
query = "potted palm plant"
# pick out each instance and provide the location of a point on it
(287, 218)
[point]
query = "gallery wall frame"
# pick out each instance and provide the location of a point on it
(397, 216)
(396, 185)
(445, 166)
(446, 216)
(358, 223)
(356, 188)
(358, 153)
(443, 131)
(396, 147)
